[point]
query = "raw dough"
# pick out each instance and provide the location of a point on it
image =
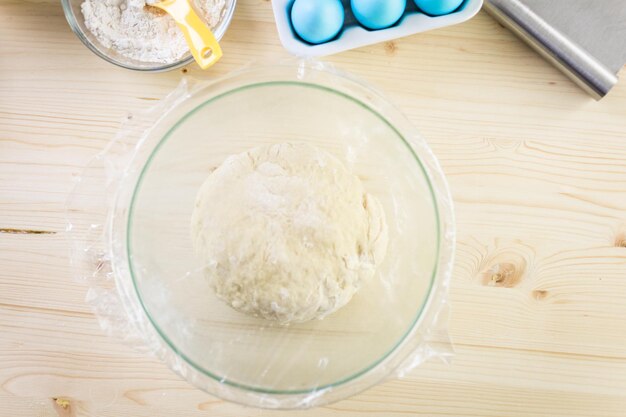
(287, 233)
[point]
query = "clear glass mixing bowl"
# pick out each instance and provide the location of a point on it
(250, 360)
(75, 19)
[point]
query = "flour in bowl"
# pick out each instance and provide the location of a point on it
(141, 32)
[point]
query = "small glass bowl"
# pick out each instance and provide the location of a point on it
(76, 21)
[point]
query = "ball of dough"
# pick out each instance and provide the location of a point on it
(287, 233)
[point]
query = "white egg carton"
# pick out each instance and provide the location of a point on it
(354, 36)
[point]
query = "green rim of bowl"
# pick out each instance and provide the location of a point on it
(224, 380)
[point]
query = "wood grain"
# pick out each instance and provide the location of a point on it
(538, 175)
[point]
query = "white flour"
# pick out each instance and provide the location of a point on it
(137, 32)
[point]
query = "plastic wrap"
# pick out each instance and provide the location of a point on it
(128, 221)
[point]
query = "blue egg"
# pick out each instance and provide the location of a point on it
(317, 21)
(377, 14)
(438, 7)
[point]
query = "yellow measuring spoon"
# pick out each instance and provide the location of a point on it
(202, 44)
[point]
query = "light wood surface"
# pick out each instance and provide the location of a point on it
(537, 171)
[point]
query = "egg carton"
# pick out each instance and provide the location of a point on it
(353, 35)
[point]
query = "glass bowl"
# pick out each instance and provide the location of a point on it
(75, 19)
(250, 360)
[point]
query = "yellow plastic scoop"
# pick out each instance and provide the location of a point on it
(202, 44)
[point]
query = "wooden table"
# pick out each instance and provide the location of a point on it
(538, 175)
